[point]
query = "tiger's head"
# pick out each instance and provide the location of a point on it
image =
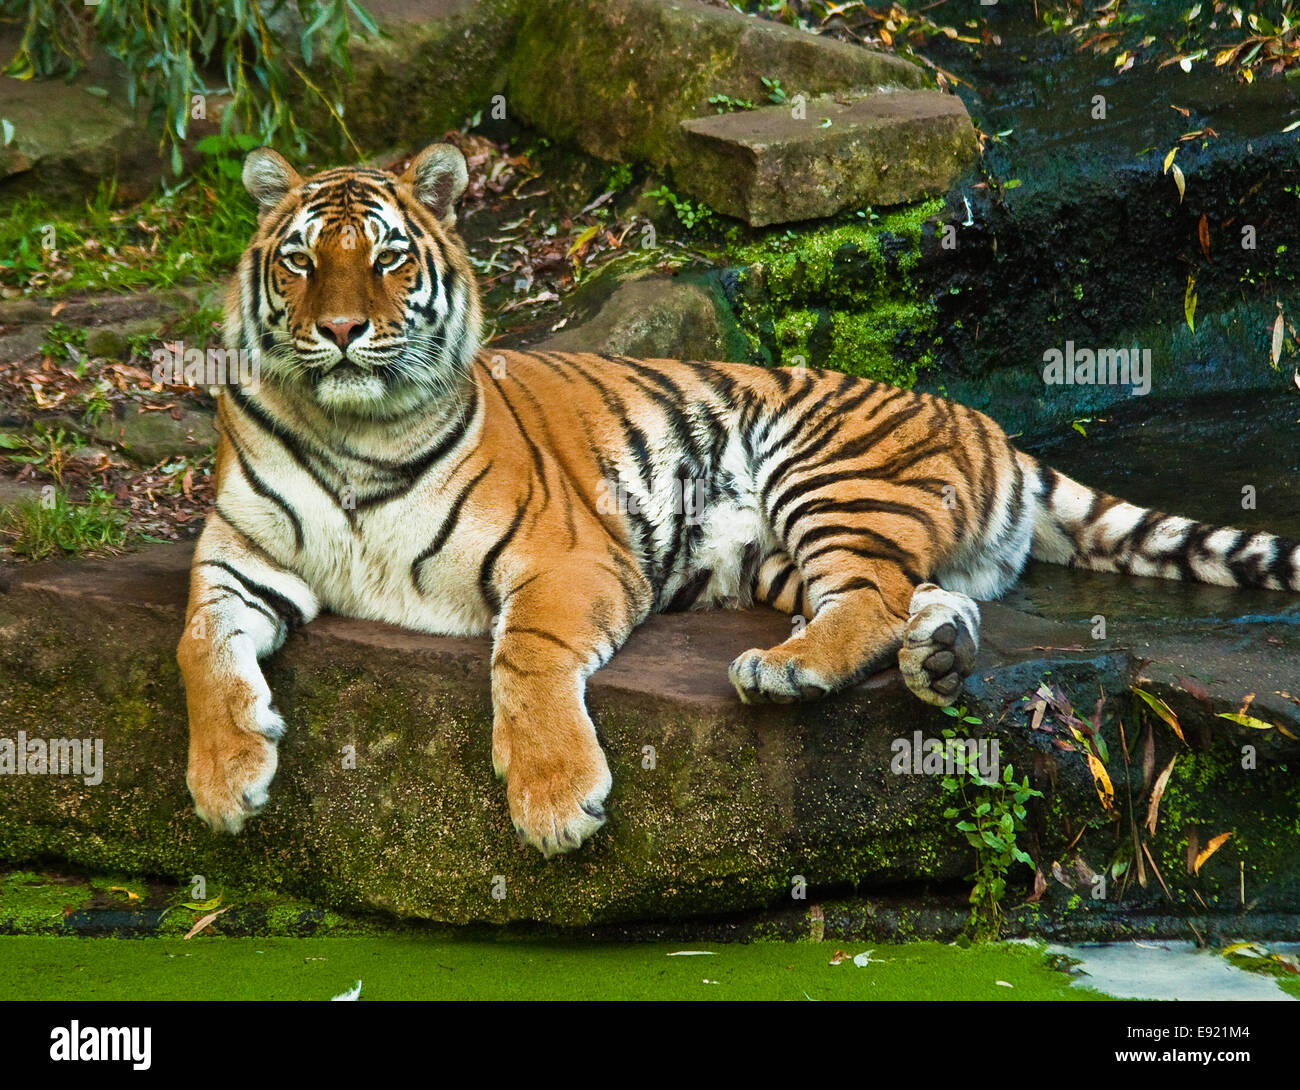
(355, 293)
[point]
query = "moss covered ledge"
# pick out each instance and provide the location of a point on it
(717, 808)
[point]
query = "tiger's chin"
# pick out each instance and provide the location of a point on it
(354, 391)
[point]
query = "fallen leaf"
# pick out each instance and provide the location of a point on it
(1189, 303)
(1275, 352)
(1163, 711)
(1246, 720)
(1213, 846)
(1101, 781)
(1157, 792)
(205, 921)
(1148, 755)
(1203, 235)
(130, 894)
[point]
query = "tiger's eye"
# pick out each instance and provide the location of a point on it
(389, 258)
(298, 261)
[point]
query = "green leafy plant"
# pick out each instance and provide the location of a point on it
(989, 813)
(689, 215)
(61, 341)
(724, 104)
(44, 448)
(619, 178)
(173, 50)
(39, 528)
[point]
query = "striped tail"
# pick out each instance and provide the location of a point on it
(1083, 528)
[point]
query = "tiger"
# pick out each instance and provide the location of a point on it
(385, 466)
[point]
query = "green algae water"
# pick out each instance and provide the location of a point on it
(413, 967)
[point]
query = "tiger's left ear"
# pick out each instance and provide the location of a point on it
(437, 177)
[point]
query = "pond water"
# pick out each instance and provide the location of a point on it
(1170, 970)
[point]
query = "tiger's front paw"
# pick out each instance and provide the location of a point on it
(775, 676)
(233, 757)
(556, 791)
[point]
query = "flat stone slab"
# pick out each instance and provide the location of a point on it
(779, 164)
(385, 797)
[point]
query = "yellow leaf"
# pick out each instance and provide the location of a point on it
(1164, 711)
(1209, 849)
(1101, 781)
(1169, 159)
(1246, 720)
(130, 895)
(582, 240)
(1179, 181)
(1189, 302)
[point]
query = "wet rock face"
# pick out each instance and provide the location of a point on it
(385, 797)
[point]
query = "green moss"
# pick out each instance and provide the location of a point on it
(420, 967)
(843, 296)
(34, 904)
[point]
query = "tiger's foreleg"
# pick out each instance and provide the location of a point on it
(241, 607)
(861, 612)
(553, 631)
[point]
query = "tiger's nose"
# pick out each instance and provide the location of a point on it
(342, 331)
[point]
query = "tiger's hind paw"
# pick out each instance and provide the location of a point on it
(940, 642)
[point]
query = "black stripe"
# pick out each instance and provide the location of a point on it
(490, 560)
(285, 607)
(267, 492)
(448, 525)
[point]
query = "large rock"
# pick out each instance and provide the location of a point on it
(717, 807)
(68, 136)
(439, 63)
(616, 77)
(770, 166)
(656, 317)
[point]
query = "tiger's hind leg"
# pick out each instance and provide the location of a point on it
(940, 642)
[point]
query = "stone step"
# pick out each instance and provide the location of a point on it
(780, 164)
(716, 808)
(616, 77)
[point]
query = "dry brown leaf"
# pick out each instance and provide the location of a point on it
(1157, 792)
(1203, 235)
(1213, 846)
(1148, 756)
(205, 921)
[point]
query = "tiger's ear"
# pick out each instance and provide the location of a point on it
(437, 177)
(268, 177)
